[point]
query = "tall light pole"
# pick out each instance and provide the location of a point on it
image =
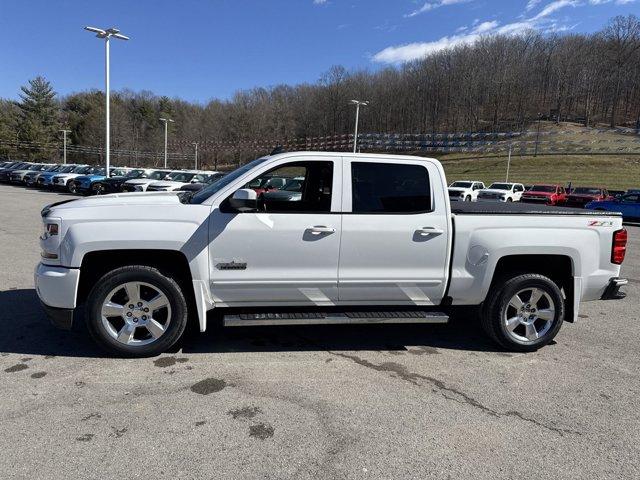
(535, 153)
(508, 164)
(107, 34)
(357, 103)
(195, 144)
(64, 145)
(166, 122)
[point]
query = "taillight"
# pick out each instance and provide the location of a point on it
(619, 246)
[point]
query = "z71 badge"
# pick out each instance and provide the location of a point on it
(600, 223)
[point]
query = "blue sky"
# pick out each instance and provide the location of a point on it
(203, 49)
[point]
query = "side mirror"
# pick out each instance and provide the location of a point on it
(244, 200)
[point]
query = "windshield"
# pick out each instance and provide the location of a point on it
(219, 184)
(586, 191)
(542, 188)
(83, 170)
(34, 168)
(67, 169)
(184, 177)
(135, 173)
(461, 185)
(54, 168)
(117, 172)
(158, 175)
(500, 186)
(294, 185)
(214, 177)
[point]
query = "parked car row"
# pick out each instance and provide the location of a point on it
(594, 198)
(92, 180)
(475, 191)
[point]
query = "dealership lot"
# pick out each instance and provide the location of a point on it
(383, 401)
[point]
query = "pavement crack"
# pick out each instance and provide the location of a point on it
(448, 392)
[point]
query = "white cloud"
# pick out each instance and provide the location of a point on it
(319, 2)
(554, 7)
(431, 5)
(531, 4)
(413, 51)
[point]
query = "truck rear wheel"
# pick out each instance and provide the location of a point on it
(136, 311)
(523, 312)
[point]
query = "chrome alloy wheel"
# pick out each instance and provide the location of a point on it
(529, 315)
(136, 313)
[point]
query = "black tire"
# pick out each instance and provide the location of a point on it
(502, 292)
(98, 189)
(467, 198)
(71, 186)
(136, 273)
(509, 199)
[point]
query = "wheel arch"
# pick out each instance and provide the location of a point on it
(559, 268)
(97, 263)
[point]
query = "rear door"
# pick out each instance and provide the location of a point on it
(395, 232)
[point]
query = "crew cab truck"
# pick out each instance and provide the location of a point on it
(372, 239)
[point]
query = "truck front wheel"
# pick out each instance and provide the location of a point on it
(136, 311)
(523, 312)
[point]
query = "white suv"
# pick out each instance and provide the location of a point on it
(465, 190)
(501, 192)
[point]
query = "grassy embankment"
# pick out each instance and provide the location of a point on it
(612, 171)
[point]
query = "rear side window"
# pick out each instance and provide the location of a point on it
(389, 188)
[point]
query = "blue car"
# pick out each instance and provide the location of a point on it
(628, 205)
(44, 179)
(85, 184)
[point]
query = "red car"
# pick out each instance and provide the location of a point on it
(266, 184)
(545, 194)
(580, 196)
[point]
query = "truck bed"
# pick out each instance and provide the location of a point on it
(517, 208)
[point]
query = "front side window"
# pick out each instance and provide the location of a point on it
(389, 188)
(309, 188)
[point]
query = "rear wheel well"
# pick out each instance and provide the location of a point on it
(170, 262)
(558, 268)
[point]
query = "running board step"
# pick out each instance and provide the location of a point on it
(325, 318)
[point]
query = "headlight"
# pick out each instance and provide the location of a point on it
(51, 229)
(50, 239)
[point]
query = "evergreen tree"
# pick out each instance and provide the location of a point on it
(38, 115)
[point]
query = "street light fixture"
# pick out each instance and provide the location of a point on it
(107, 34)
(64, 145)
(357, 103)
(166, 122)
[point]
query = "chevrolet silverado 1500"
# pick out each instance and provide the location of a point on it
(372, 239)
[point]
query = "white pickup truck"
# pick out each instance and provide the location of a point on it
(373, 239)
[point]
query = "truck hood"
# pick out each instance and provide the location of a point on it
(582, 197)
(494, 191)
(168, 184)
(141, 181)
(117, 199)
(457, 189)
(538, 194)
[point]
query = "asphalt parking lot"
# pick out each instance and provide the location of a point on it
(382, 401)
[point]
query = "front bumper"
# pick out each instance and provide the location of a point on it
(61, 318)
(57, 288)
(612, 292)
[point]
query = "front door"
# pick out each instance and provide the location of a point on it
(286, 253)
(394, 246)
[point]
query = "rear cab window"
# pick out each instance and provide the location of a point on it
(389, 188)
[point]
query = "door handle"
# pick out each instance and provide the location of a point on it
(320, 229)
(424, 231)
